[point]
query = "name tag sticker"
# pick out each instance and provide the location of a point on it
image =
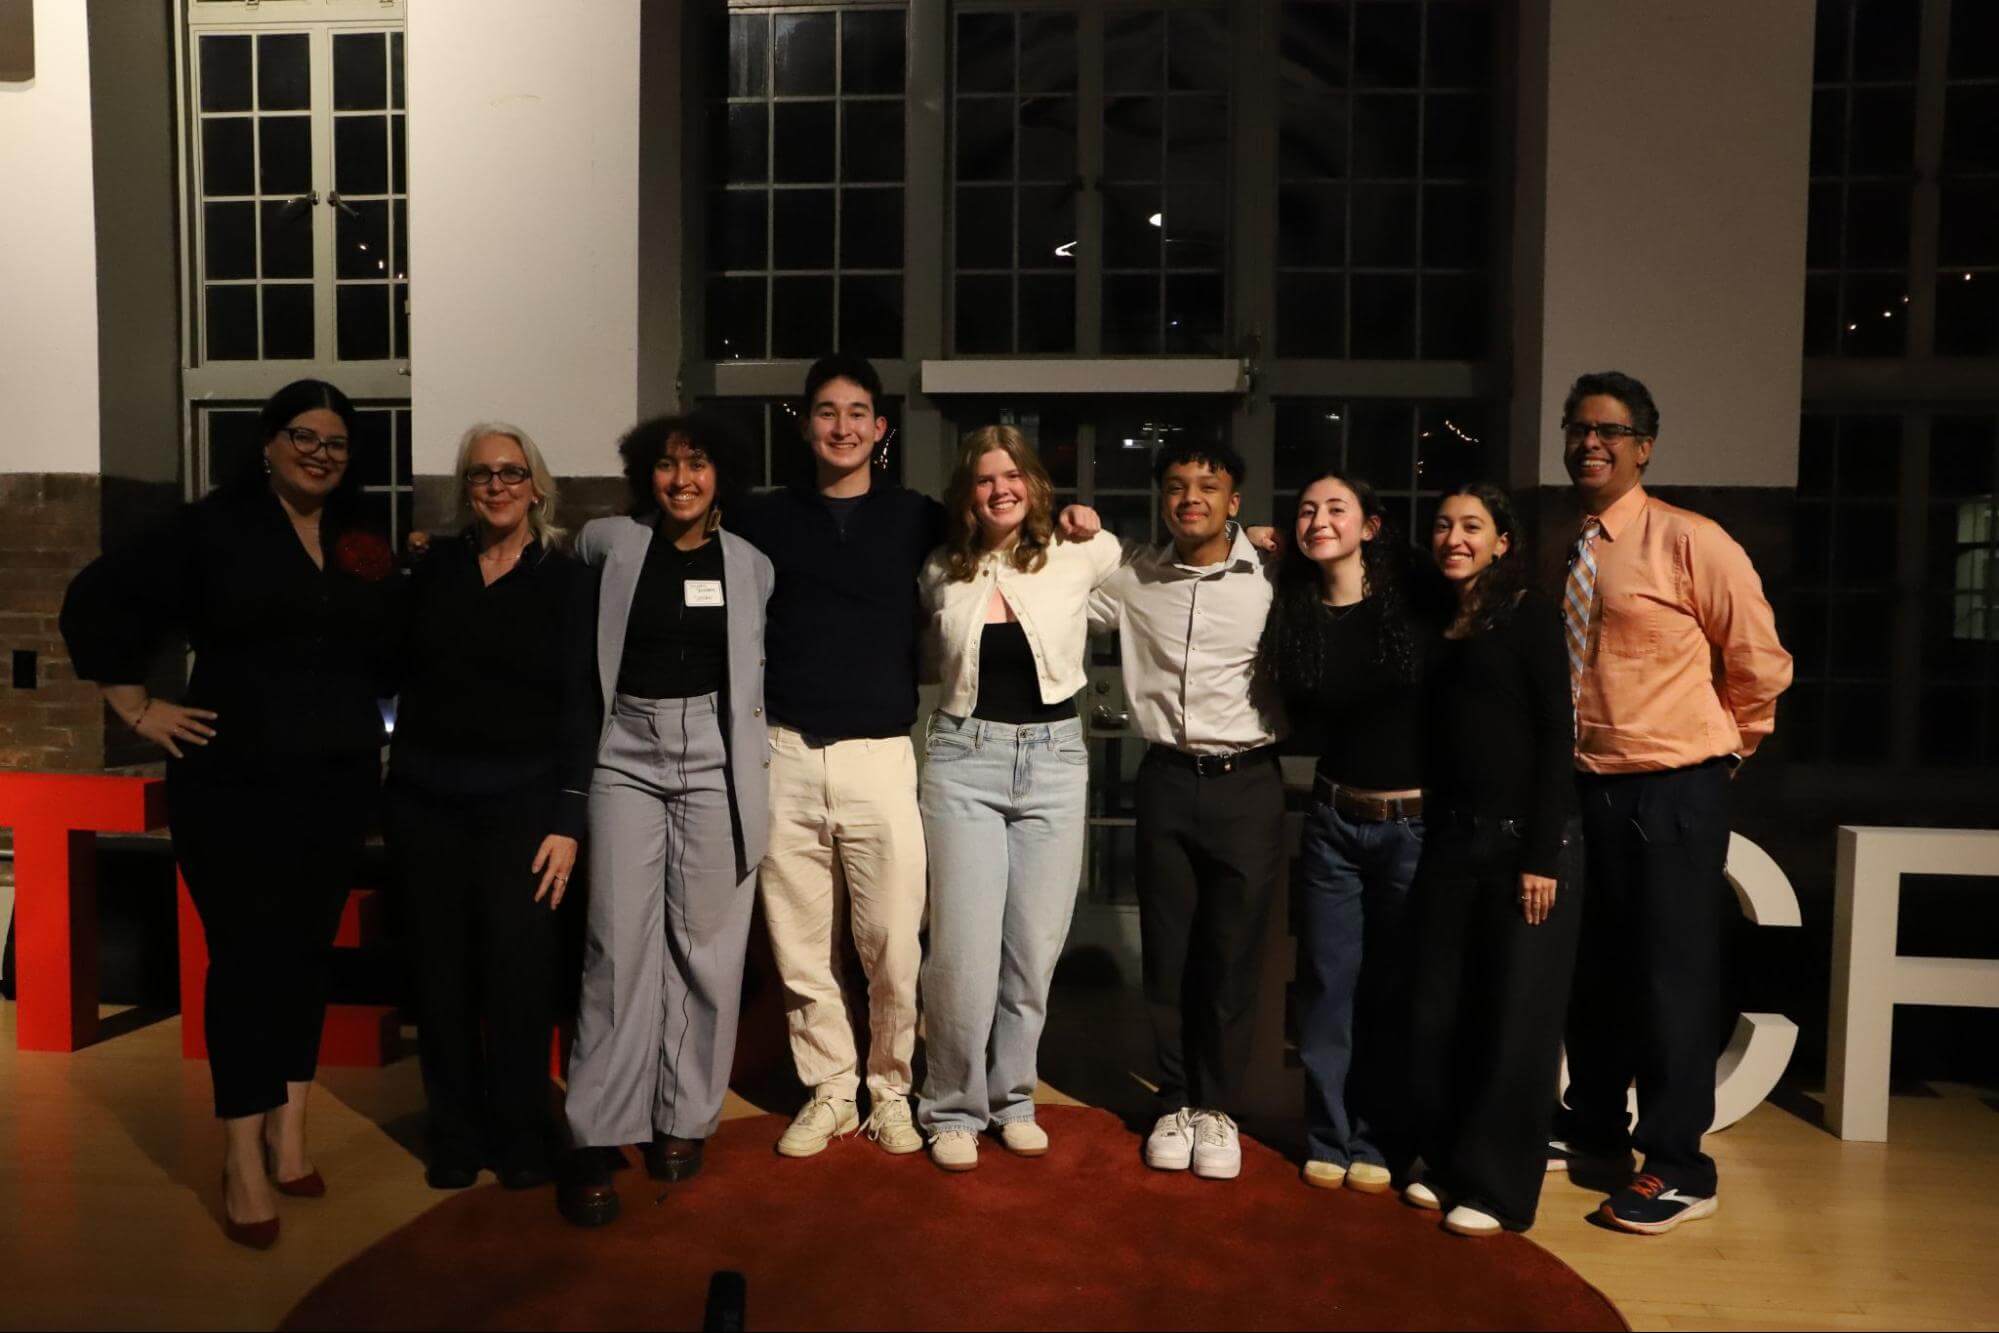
(703, 592)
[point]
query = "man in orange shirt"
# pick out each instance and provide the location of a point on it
(1675, 668)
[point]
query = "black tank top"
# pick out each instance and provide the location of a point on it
(1009, 688)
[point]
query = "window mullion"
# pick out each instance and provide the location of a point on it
(1905, 661)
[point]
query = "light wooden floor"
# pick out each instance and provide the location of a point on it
(109, 1161)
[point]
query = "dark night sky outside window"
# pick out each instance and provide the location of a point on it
(1968, 244)
(1410, 452)
(1384, 206)
(805, 229)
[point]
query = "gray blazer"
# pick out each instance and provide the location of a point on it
(617, 547)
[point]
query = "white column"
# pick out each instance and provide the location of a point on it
(48, 255)
(524, 224)
(1671, 159)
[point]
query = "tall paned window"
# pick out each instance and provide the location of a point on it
(1410, 452)
(1891, 612)
(1384, 198)
(297, 205)
(1166, 158)
(1014, 111)
(1863, 153)
(1968, 246)
(805, 245)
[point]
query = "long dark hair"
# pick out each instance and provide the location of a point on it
(1292, 655)
(1497, 590)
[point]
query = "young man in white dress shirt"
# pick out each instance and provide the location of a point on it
(1189, 615)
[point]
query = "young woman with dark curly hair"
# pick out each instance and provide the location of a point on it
(679, 809)
(1346, 652)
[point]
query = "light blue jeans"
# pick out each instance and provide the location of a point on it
(1003, 810)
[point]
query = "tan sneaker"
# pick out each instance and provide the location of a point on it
(1325, 1175)
(1417, 1194)
(1368, 1178)
(1024, 1138)
(955, 1150)
(889, 1124)
(1466, 1220)
(818, 1123)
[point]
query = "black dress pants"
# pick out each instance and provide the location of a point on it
(270, 852)
(1647, 997)
(1488, 997)
(1209, 854)
(484, 960)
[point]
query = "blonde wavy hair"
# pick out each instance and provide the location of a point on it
(963, 542)
(541, 515)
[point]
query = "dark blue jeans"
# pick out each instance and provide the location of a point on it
(1353, 883)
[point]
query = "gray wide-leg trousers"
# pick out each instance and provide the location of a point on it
(668, 924)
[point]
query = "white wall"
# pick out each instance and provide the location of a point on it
(1677, 152)
(48, 255)
(524, 171)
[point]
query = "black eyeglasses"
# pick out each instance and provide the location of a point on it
(309, 442)
(1575, 432)
(511, 475)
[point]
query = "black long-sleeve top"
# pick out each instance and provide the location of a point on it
(841, 634)
(1366, 711)
(292, 657)
(1502, 730)
(499, 686)
(677, 635)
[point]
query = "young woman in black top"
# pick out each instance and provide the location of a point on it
(1497, 901)
(287, 599)
(1345, 650)
(496, 731)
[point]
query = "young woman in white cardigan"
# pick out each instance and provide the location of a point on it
(1005, 779)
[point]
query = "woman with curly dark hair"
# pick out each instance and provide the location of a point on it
(1498, 898)
(285, 593)
(679, 810)
(1346, 652)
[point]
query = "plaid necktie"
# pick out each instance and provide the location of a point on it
(1579, 604)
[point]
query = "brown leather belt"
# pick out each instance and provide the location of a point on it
(1366, 809)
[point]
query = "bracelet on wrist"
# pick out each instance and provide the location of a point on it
(141, 716)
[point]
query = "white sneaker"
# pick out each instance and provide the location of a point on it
(1466, 1220)
(1217, 1147)
(1369, 1178)
(1325, 1175)
(955, 1150)
(1024, 1138)
(1170, 1146)
(1418, 1195)
(818, 1123)
(890, 1125)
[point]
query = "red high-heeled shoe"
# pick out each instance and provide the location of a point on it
(253, 1235)
(311, 1185)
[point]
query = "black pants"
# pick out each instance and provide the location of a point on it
(1208, 860)
(270, 855)
(1487, 1001)
(484, 959)
(1647, 996)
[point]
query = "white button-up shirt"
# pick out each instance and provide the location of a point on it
(1049, 604)
(1189, 637)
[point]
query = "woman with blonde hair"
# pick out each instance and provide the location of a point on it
(488, 780)
(1003, 788)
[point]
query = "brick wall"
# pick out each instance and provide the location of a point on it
(50, 527)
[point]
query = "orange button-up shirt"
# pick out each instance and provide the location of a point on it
(1684, 663)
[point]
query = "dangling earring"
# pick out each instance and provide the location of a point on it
(267, 464)
(714, 519)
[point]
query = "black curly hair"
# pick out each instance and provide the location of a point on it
(703, 429)
(1498, 589)
(1291, 657)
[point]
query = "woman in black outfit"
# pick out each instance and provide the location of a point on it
(496, 733)
(286, 597)
(1346, 652)
(1497, 900)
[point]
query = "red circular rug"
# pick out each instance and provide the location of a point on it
(1085, 1237)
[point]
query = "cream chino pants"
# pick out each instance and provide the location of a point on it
(846, 852)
